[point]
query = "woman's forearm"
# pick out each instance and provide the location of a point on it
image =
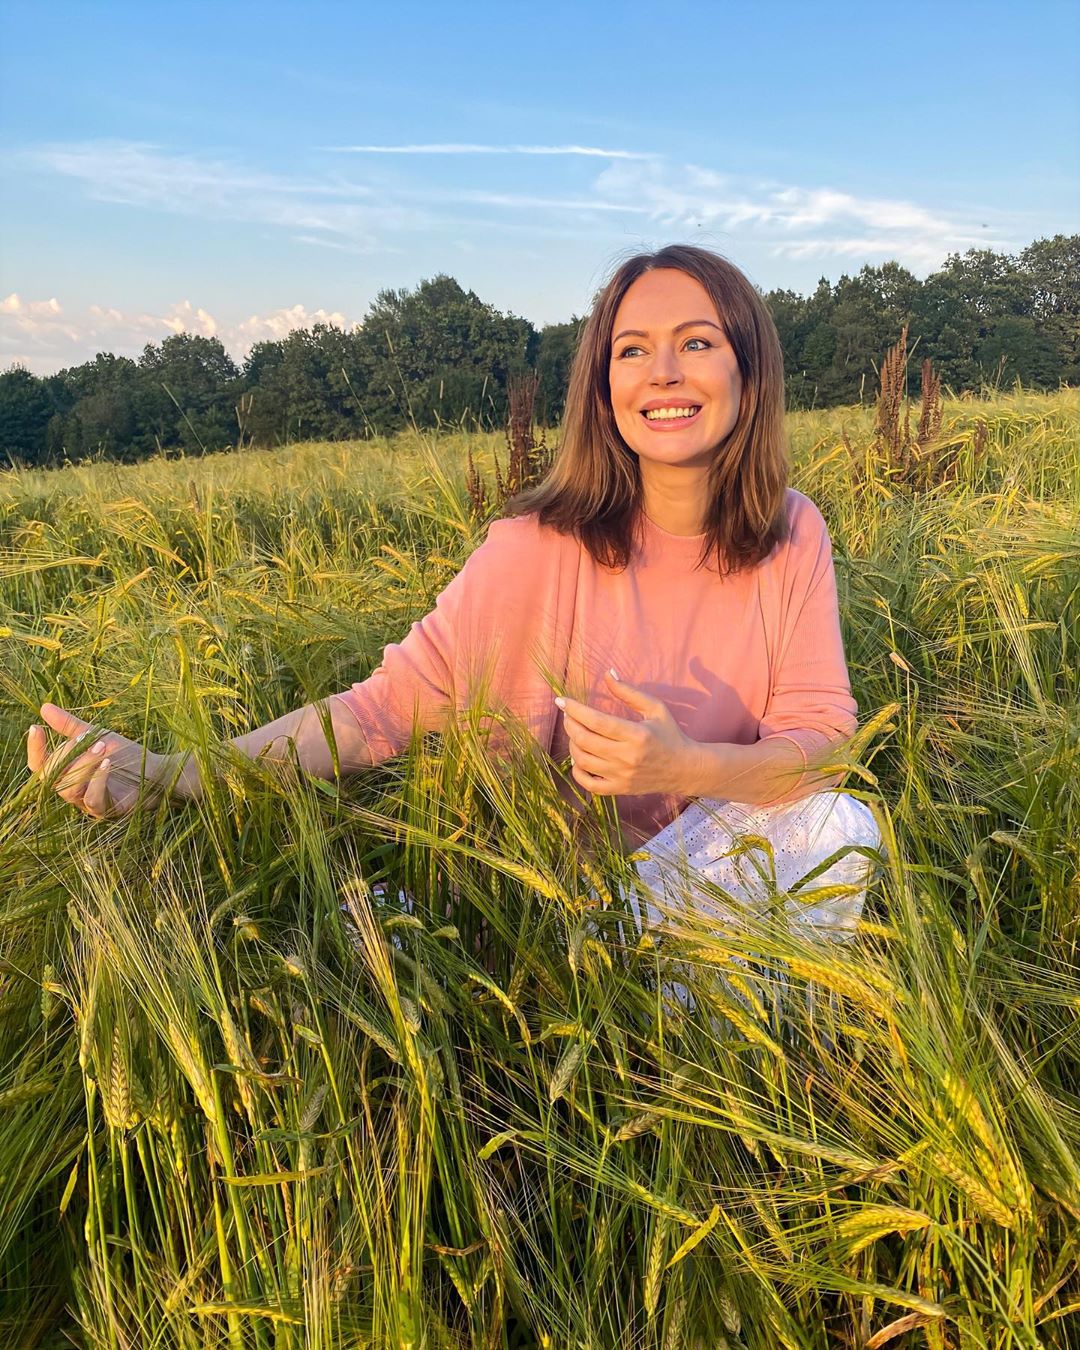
(298, 734)
(760, 774)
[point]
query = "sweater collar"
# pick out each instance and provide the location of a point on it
(661, 545)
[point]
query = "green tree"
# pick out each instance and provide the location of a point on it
(555, 349)
(1016, 348)
(807, 339)
(788, 310)
(869, 310)
(96, 410)
(956, 309)
(819, 353)
(25, 411)
(1051, 269)
(414, 340)
(310, 385)
(992, 283)
(188, 387)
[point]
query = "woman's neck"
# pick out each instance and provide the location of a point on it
(675, 500)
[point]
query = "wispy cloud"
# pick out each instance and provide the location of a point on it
(143, 175)
(324, 212)
(788, 220)
(43, 336)
(793, 221)
(455, 148)
(529, 201)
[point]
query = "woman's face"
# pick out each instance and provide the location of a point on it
(675, 383)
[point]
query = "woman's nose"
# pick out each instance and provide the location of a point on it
(665, 368)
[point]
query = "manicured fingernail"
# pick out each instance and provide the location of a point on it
(97, 747)
(105, 763)
(613, 673)
(560, 703)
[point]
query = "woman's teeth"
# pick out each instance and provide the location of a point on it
(666, 414)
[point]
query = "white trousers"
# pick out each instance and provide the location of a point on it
(760, 856)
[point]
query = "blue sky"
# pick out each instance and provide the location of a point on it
(199, 166)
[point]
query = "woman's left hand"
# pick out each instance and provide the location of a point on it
(612, 755)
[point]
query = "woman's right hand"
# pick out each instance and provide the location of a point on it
(109, 778)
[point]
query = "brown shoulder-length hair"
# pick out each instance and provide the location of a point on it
(593, 490)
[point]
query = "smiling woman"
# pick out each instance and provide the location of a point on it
(664, 543)
(675, 414)
(675, 393)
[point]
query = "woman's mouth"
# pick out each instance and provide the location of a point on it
(669, 419)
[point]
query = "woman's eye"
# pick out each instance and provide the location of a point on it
(702, 345)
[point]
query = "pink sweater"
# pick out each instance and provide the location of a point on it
(736, 659)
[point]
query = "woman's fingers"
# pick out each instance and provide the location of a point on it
(588, 770)
(37, 748)
(602, 723)
(593, 764)
(97, 800)
(581, 738)
(78, 769)
(591, 782)
(65, 771)
(67, 724)
(72, 780)
(73, 729)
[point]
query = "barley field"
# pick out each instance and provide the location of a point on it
(249, 1099)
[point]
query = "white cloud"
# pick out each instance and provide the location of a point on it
(452, 148)
(517, 201)
(24, 323)
(39, 334)
(185, 318)
(272, 327)
(790, 221)
(29, 309)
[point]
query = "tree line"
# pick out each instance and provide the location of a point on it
(439, 355)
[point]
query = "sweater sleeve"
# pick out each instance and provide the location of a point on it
(810, 702)
(488, 637)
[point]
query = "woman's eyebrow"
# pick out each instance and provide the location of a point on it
(689, 323)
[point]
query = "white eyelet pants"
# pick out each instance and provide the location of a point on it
(759, 855)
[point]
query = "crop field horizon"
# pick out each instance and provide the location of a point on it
(250, 1099)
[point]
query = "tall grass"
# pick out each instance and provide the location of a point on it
(250, 1099)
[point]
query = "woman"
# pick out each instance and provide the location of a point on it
(663, 575)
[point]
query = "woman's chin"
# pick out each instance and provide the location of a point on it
(673, 455)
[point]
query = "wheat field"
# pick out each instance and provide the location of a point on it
(249, 1099)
